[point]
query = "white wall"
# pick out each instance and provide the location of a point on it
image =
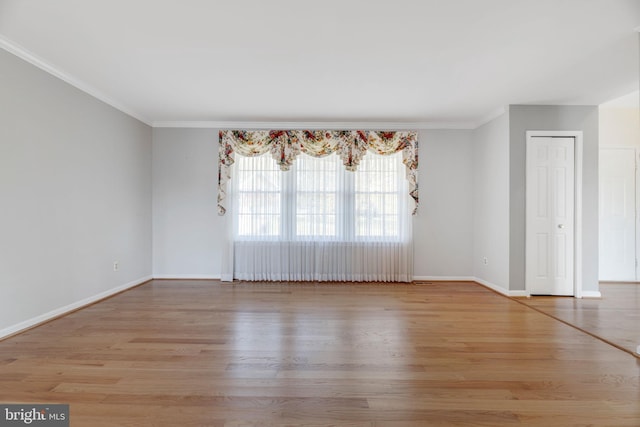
(619, 127)
(75, 188)
(187, 228)
(491, 202)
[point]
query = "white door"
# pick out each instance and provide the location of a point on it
(618, 214)
(550, 190)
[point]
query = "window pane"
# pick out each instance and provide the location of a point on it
(319, 199)
(258, 225)
(259, 192)
(391, 226)
(391, 203)
(376, 196)
(316, 195)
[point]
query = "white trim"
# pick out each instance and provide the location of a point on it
(630, 100)
(491, 116)
(477, 280)
(19, 51)
(577, 135)
(591, 294)
(443, 279)
(187, 276)
(518, 294)
(636, 155)
(578, 214)
(500, 289)
(69, 308)
(314, 125)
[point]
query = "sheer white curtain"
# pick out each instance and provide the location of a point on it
(319, 221)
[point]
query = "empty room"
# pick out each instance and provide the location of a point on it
(340, 213)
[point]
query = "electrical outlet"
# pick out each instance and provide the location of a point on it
(485, 261)
(116, 265)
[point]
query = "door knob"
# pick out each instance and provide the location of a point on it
(560, 225)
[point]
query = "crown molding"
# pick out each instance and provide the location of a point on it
(314, 125)
(489, 117)
(19, 51)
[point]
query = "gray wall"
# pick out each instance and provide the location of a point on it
(491, 202)
(75, 185)
(187, 231)
(562, 118)
(443, 227)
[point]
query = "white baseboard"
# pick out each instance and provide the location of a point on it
(187, 276)
(443, 278)
(68, 308)
(591, 294)
(482, 282)
(500, 289)
(518, 294)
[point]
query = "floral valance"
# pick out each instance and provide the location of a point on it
(285, 145)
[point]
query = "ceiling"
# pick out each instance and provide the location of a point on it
(431, 62)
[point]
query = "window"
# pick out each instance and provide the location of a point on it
(378, 192)
(318, 199)
(316, 196)
(295, 216)
(259, 187)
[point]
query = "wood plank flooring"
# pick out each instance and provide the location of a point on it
(615, 317)
(202, 353)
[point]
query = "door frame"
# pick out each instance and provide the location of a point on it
(577, 235)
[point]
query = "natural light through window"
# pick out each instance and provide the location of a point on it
(319, 199)
(377, 195)
(316, 195)
(259, 187)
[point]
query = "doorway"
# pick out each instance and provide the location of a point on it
(618, 189)
(553, 200)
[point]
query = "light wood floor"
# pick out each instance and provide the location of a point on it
(187, 353)
(615, 317)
